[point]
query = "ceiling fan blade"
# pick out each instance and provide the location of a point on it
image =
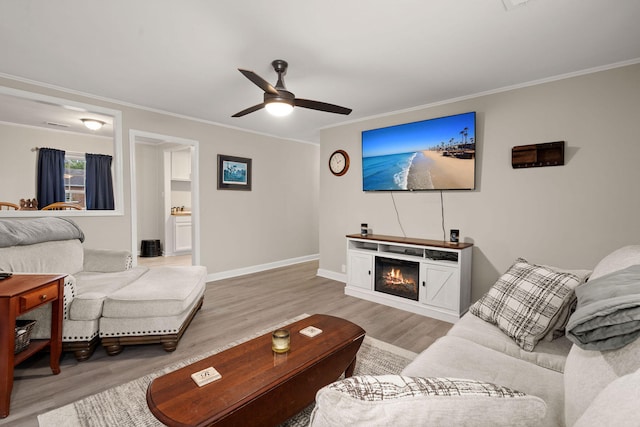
(322, 106)
(259, 81)
(249, 110)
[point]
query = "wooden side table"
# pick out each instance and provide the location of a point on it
(19, 294)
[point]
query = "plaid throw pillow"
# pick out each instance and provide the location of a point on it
(385, 387)
(526, 301)
(395, 400)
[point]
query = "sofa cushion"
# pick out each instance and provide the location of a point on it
(526, 301)
(617, 260)
(106, 260)
(162, 291)
(106, 283)
(94, 287)
(381, 400)
(455, 357)
(588, 372)
(548, 354)
(60, 256)
(616, 405)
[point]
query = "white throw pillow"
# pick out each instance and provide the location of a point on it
(413, 401)
(527, 301)
(617, 260)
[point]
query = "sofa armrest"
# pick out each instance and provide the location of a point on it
(106, 260)
(70, 292)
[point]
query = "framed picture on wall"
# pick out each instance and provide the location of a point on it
(234, 173)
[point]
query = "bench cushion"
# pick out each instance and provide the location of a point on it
(161, 292)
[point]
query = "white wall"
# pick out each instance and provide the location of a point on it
(570, 216)
(150, 192)
(275, 222)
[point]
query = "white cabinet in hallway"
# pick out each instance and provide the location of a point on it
(181, 233)
(181, 165)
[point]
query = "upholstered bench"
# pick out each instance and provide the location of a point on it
(156, 308)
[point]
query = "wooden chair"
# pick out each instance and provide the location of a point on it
(60, 206)
(9, 206)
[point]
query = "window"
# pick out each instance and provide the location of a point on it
(74, 178)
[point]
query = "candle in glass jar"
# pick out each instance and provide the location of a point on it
(280, 341)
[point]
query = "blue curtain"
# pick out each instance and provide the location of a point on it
(50, 176)
(99, 183)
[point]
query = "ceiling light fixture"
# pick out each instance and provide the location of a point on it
(93, 124)
(279, 108)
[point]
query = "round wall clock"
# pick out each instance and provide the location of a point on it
(339, 162)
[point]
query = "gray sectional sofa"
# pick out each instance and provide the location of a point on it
(105, 299)
(510, 370)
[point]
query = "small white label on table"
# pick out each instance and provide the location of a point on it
(206, 376)
(311, 331)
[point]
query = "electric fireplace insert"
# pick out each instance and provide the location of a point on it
(397, 277)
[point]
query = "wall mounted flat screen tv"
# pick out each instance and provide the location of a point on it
(434, 154)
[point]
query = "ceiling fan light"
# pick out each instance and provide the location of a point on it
(279, 108)
(93, 124)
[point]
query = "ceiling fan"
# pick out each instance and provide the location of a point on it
(278, 100)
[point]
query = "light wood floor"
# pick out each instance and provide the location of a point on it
(165, 260)
(233, 308)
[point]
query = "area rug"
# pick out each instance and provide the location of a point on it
(126, 405)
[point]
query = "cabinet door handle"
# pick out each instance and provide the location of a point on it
(369, 272)
(424, 283)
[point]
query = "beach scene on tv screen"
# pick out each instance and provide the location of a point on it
(435, 154)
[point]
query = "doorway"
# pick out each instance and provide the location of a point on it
(151, 208)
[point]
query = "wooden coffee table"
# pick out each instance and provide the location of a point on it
(259, 387)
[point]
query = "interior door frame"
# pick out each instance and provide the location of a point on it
(134, 135)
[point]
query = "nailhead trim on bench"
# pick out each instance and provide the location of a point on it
(115, 334)
(65, 338)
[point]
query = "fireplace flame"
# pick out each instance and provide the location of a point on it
(394, 277)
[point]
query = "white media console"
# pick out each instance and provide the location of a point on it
(435, 280)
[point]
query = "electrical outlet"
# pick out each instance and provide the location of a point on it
(344, 268)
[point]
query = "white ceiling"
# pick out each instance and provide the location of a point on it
(373, 56)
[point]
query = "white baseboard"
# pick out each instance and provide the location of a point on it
(261, 267)
(340, 277)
